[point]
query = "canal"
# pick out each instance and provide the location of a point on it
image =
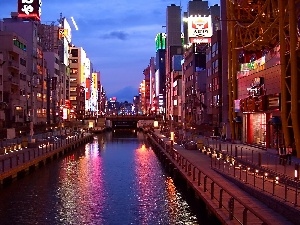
(115, 179)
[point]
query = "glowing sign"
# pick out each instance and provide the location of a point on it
(30, 9)
(199, 27)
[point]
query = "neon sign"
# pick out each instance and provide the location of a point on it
(30, 9)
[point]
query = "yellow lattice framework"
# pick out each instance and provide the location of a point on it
(263, 24)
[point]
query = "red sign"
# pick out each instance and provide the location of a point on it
(30, 9)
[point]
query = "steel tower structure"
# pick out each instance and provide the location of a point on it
(255, 25)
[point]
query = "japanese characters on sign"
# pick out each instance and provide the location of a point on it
(199, 26)
(30, 9)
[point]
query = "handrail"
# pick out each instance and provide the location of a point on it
(190, 171)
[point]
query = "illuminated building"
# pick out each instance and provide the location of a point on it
(101, 99)
(55, 41)
(54, 77)
(146, 93)
(176, 88)
(77, 81)
(142, 94)
(94, 107)
(277, 34)
(160, 73)
(199, 26)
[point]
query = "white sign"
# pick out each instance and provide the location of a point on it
(199, 26)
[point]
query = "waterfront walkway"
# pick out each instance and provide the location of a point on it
(239, 170)
(18, 160)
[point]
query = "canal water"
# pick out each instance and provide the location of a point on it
(115, 179)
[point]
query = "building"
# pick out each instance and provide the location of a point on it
(142, 97)
(214, 109)
(35, 74)
(176, 88)
(15, 91)
(56, 38)
(146, 106)
(2, 104)
(160, 74)
(54, 86)
(77, 82)
(174, 47)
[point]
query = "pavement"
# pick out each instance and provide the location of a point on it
(256, 193)
(256, 155)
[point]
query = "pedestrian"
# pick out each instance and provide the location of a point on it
(289, 151)
(282, 153)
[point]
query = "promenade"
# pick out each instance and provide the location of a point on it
(16, 160)
(259, 197)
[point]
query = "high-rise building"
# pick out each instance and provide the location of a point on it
(54, 85)
(174, 47)
(56, 38)
(160, 74)
(79, 67)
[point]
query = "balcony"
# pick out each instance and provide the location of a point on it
(13, 65)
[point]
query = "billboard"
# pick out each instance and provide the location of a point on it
(67, 30)
(30, 9)
(160, 41)
(199, 27)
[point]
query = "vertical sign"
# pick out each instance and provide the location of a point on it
(30, 9)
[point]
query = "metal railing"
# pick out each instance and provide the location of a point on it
(236, 209)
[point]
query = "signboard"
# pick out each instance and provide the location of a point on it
(199, 27)
(30, 9)
(67, 30)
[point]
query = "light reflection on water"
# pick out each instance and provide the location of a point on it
(113, 180)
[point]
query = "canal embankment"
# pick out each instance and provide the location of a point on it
(224, 199)
(19, 160)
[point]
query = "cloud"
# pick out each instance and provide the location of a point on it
(121, 35)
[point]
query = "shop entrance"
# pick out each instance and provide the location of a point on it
(259, 125)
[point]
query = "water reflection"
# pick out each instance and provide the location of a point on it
(158, 197)
(115, 179)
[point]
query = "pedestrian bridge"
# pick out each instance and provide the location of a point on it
(128, 121)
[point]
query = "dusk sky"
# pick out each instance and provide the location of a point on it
(117, 35)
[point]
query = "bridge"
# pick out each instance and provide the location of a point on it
(128, 121)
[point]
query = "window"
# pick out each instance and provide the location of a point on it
(22, 62)
(74, 52)
(19, 44)
(215, 66)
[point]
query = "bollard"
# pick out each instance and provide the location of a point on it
(296, 195)
(212, 189)
(205, 182)
(259, 159)
(231, 208)
(199, 178)
(245, 217)
(221, 199)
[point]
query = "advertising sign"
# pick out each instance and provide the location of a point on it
(199, 27)
(30, 9)
(67, 30)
